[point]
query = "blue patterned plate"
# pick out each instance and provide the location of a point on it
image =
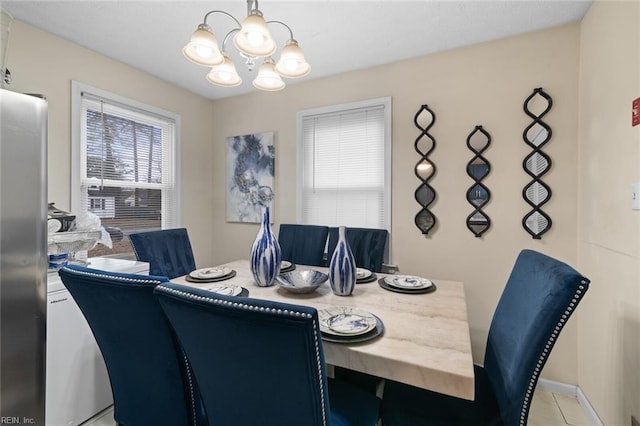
(362, 273)
(408, 282)
(286, 266)
(212, 272)
(227, 290)
(346, 321)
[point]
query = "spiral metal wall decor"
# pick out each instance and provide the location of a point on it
(478, 195)
(424, 144)
(537, 164)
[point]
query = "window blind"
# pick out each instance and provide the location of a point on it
(345, 166)
(127, 167)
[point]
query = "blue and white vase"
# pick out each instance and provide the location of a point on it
(342, 269)
(265, 254)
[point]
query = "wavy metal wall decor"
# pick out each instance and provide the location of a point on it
(424, 145)
(537, 193)
(478, 195)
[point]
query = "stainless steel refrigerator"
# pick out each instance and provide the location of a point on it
(23, 257)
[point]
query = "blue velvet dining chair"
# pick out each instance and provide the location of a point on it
(367, 245)
(303, 244)
(168, 251)
(538, 299)
(260, 362)
(151, 379)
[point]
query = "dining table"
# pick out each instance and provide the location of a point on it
(424, 342)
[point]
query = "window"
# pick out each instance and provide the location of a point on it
(344, 165)
(124, 167)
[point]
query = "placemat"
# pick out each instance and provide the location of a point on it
(211, 280)
(369, 279)
(377, 331)
(386, 286)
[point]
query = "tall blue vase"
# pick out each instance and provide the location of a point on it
(342, 268)
(265, 254)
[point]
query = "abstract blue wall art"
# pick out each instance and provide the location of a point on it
(250, 172)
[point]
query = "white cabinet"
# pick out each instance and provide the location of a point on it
(77, 384)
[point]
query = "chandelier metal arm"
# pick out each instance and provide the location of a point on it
(226, 38)
(224, 13)
(251, 6)
(285, 25)
(253, 40)
(250, 61)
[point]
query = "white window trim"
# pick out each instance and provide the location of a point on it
(77, 89)
(302, 114)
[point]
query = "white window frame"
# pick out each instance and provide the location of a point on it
(384, 102)
(170, 211)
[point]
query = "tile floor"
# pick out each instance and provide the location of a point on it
(547, 409)
(556, 409)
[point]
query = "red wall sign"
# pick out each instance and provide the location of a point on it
(635, 112)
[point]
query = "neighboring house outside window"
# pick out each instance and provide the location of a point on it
(344, 165)
(124, 165)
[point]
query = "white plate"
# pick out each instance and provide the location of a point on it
(346, 321)
(362, 273)
(212, 272)
(408, 282)
(285, 264)
(227, 290)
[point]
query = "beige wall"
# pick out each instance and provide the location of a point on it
(482, 84)
(609, 231)
(42, 63)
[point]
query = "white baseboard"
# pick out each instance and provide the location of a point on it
(588, 408)
(563, 388)
(575, 391)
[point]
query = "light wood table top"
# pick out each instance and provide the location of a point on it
(425, 342)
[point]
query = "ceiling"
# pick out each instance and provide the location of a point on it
(336, 36)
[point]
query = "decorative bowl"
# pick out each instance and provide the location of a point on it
(302, 280)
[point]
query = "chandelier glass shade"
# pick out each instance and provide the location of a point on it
(268, 79)
(253, 40)
(224, 74)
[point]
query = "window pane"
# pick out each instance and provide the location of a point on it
(127, 171)
(122, 150)
(344, 175)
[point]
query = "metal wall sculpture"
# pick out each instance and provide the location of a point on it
(537, 163)
(478, 195)
(425, 144)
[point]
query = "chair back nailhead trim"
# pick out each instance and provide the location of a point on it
(115, 278)
(524, 412)
(146, 281)
(278, 311)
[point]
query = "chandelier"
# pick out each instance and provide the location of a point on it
(253, 41)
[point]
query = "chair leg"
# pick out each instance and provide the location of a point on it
(331, 371)
(366, 382)
(380, 388)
